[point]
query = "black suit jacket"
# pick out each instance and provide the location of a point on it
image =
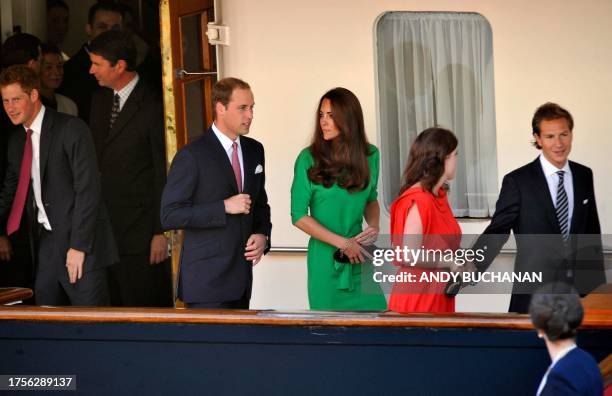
(132, 162)
(525, 207)
(213, 267)
(70, 190)
(77, 83)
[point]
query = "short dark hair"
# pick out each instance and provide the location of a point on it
(57, 4)
(22, 75)
(50, 49)
(113, 45)
(19, 49)
(558, 315)
(547, 112)
(103, 6)
(223, 89)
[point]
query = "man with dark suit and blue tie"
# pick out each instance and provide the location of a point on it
(52, 189)
(549, 205)
(215, 192)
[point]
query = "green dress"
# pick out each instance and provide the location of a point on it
(333, 285)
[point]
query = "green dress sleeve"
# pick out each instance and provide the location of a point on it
(374, 160)
(301, 188)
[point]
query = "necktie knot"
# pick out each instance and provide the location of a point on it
(561, 174)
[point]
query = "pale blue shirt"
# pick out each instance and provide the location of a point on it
(227, 146)
(550, 171)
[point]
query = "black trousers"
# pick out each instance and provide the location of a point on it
(52, 285)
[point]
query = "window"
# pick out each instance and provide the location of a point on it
(436, 68)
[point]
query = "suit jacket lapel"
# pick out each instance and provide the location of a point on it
(219, 156)
(542, 192)
(130, 108)
(579, 191)
(249, 164)
(46, 138)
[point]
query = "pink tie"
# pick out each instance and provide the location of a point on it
(236, 166)
(22, 188)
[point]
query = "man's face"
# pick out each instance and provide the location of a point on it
(19, 106)
(103, 21)
(556, 141)
(51, 71)
(236, 118)
(106, 74)
(57, 24)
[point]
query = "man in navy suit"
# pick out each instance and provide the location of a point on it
(549, 205)
(215, 192)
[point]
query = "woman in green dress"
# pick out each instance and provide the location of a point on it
(333, 191)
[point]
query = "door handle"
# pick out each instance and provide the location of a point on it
(182, 73)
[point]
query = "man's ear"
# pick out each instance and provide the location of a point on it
(219, 108)
(121, 65)
(88, 29)
(34, 95)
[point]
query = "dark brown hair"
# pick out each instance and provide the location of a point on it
(558, 315)
(22, 75)
(223, 89)
(547, 112)
(427, 156)
(344, 159)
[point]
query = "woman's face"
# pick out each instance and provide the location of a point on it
(326, 121)
(450, 165)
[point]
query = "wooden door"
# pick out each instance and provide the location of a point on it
(189, 72)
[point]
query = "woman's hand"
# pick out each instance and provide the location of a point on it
(368, 236)
(352, 250)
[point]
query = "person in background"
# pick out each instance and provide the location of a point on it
(58, 18)
(127, 123)
(573, 371)
(421, 217)
(334, 189)
(51, 75)
(78, 84)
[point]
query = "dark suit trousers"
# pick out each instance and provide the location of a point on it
(243, 303)
(52, 285)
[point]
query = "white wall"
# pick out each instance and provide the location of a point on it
(291, 52)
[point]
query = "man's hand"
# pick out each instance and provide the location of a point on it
(159, 249)
(74, 264)
(255, 247)
(240, 203)
(6, 249)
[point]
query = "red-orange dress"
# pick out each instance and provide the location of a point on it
(440, 231)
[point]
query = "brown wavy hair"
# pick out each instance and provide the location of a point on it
(427, 156)
(344, 159)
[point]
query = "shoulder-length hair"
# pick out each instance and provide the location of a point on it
(427, 156)
(343, 159)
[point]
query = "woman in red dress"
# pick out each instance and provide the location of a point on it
(421, 218)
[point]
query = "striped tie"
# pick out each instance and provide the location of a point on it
(562, 207)
(114, 111)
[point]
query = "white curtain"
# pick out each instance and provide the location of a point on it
(437, 69)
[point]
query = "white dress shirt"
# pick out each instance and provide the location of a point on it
(36, 128)
(227, 146)
(550, 171)
(557, 358)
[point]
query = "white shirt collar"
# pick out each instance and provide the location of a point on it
(124, 93)
(225, 141)
(36, 126)
(549, 169)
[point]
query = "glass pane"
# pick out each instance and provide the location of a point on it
(194, 109)
(191, 42)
